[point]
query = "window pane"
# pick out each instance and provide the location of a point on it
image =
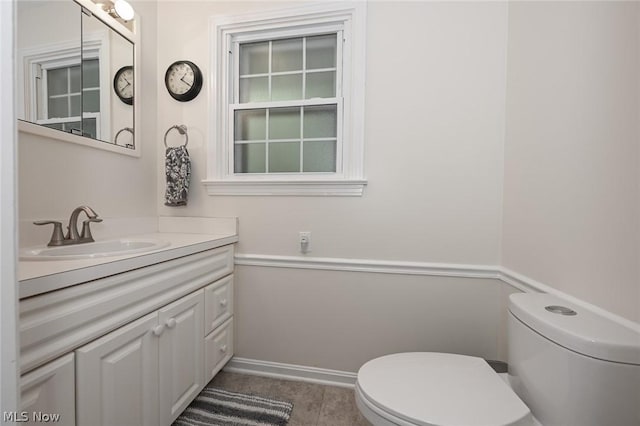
(57, 82)
(320, 121)
(284, 123)
(319, 156)
(286, 87)
(284, 157)
(250, 158)
(58, 107)
(321, 85)
(286, 55)
(254, 89)
(321, 51)
(91, 100)
(73, 127)
(90, 73)
(57, 126)
(254, 58)
(250, 125)
(76, 109)
(89, 127)
(74, 76)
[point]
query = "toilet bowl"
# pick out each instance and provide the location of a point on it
(427, 388)
(567, 366)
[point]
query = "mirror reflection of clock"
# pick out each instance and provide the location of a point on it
(123, 84)
(183, 80)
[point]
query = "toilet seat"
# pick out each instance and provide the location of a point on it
(437, 389)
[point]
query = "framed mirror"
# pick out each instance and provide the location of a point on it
(76, 68)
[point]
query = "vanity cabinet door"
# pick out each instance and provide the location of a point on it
(47, 393)
(117, 376)
(181, 355)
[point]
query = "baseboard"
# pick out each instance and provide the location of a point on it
(300, 373)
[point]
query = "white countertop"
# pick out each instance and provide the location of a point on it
(43, 276)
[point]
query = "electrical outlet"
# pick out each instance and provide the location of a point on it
(305, 242)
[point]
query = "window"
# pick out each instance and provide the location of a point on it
(288, 113)
(62, 90)
(63, 94)
(285, 111)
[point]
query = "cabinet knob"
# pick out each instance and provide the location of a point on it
(171, 322)
(223, 302)
(158, 329)
(223, 348)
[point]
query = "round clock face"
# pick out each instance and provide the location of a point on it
(123, 84)
(183, 80)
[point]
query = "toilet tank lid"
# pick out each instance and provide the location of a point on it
(586, 332)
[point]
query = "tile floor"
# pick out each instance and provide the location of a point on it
(313, 404)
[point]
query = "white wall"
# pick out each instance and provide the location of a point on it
(8, 283)
(434, 142)
(434, 129)
(55, 176)
(572, 170)
(340, 320)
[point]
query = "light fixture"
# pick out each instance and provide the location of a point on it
(119, 9)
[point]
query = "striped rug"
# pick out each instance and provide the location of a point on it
(223, 408)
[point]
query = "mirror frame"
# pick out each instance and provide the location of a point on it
(134, 38)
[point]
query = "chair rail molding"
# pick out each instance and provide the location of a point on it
(368, 265)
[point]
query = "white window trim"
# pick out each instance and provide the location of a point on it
(95, 45)
(349, 181)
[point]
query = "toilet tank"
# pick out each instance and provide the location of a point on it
(572, 366)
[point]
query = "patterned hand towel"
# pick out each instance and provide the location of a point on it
(178, 171)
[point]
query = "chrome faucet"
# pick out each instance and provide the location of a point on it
(72, 237)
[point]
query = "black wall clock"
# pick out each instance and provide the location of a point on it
(183, 80)
(123, 84)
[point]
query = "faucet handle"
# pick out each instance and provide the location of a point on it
(57, 237)
(86, 230)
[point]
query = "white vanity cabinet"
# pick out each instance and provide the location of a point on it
(218, 303)
(117, 381)
(181, 355)
(147, 372)
(145, 341)
(47, 394)
(218, 325)
(218, 349)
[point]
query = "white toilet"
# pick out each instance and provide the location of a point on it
(567, 366)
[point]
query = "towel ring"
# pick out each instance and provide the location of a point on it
(182, 129)
(125, 129)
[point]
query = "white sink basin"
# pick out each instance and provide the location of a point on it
(117, 247)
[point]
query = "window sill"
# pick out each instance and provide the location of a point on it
(306, 188)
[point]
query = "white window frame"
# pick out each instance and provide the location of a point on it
(62, 54)
(348, 180)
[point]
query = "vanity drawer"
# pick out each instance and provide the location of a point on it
(218, 349)
(218, 303)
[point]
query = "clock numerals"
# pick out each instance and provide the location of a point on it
(180, 80)
(183, 80)
(123, 84)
